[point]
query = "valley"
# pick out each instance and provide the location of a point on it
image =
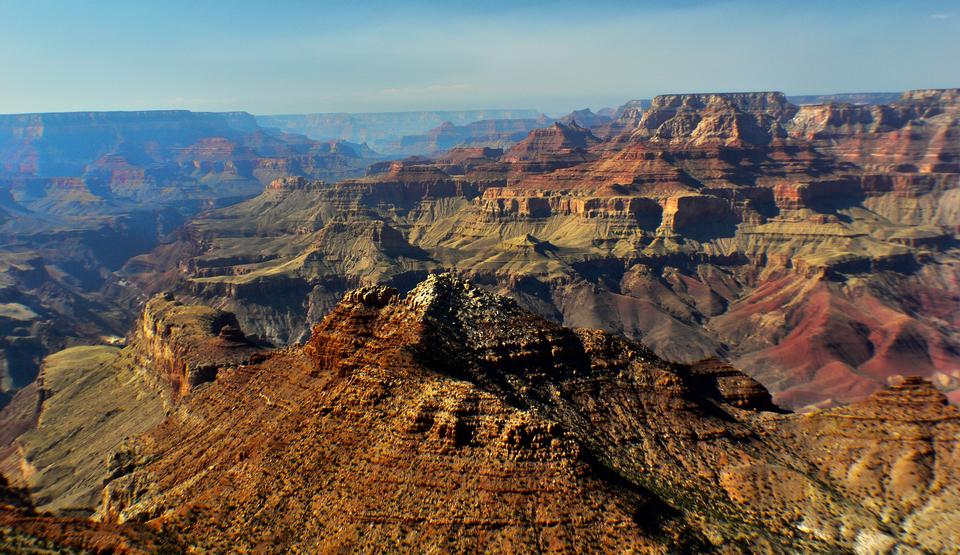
(812, 246)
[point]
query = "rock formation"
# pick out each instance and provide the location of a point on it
(58, 434)
(81, 193)
(452, 419)
(23, 530)
(814, 247)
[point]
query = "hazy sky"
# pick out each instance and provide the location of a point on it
(311, 56)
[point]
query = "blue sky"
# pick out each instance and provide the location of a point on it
(299, 56)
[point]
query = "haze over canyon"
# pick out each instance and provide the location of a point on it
(223, 331)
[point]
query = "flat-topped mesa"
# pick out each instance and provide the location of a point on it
(913, 105)
(771, 102)
(917, 134)
(182, 346)
(944, 97)
(504, 203)
(559, 138)
(409, 181)
(468, 154)
(755, 118)
(295, 183)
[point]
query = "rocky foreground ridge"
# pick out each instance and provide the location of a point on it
(453, 419)
(813, 246)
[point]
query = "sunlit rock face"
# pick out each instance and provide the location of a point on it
(404, 413)
(814, 247)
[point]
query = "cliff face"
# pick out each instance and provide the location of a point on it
(916, 135)
(452, 419)
(89, 401)
(186, 346)
(729, 225)
(731, 119)
(81, 193)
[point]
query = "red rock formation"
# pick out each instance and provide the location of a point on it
(186, 346)
(791, 224)
(452, 419)
(22, 530)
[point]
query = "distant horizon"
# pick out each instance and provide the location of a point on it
(377, 56)
(549, 113)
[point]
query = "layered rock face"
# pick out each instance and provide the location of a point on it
(451, 419)
(186, 346)
(23, 530)
(730, 119)
(814, 246)
(81, 193)
(57, 435)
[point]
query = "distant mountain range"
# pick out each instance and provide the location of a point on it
(382, 131)
(423, 132)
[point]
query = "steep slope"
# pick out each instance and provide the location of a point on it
(24, 531)
(731, 225)
(89, 401)
(452, 419)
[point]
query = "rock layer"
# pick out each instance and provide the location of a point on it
(814, 246)
(452, 419)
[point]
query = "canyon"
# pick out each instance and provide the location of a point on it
(81, 193)
(720, 322)
(812, 246)
(385, 131)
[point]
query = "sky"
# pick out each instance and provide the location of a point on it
(292, 56)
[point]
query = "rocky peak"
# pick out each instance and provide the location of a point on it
(910, 399)
(631, 108)
(501, 419)
(371, 296)
(624, 120)
(585, 118)
(456, 327)
(730, 118)
(559, 138)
